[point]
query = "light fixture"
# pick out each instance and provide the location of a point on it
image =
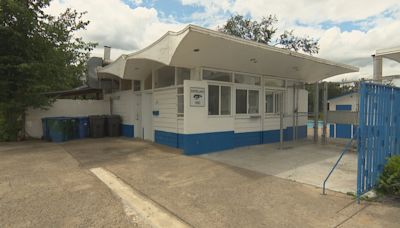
(196, 50)
(253, 60)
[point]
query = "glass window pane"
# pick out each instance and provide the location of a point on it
(165, 77)
(213, 100)
(148, 82)
(180, 103)
(253, 101)
(136, 85)
(274, 82)
(241, 101)
(225, 100)
(269, 102)
(217, 76)
(182, 74)
(247, 79)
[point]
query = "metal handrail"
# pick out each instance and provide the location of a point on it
(346, 148)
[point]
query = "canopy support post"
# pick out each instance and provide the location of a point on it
(325, 111)
(316, 110)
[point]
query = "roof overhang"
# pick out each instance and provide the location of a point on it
(195, 46)
(390, 53)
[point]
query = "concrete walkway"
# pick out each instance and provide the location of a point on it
(303, 162)
(50, 185)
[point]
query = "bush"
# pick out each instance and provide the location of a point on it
(389, 182)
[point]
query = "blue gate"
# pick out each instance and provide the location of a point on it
(379, 132)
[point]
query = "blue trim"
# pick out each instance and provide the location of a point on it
(208, 142)
(343, 107)
(201, 143)
(127, 130)
(248, 138)
(343, 131)
(272, 136)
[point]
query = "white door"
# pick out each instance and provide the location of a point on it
(147, 116)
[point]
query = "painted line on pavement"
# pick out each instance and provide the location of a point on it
(137, 204)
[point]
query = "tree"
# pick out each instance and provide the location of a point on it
(38, 53)
(263, 32)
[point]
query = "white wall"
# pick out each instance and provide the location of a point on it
(63, 107)
(197, 119)
(351, 99)
(123, 104)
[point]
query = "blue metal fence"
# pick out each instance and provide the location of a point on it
(379, 132)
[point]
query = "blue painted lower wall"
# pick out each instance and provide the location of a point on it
(127, 130)
(193, 144)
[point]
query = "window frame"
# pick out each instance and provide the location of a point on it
(178, 94)
(275, 93)
(249, 88)
(217, 70)
(213, 83)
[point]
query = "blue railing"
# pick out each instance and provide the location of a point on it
(346, 148)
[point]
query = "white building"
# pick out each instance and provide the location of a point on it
(347, 102)
(203, 91)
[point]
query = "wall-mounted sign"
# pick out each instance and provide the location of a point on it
(197, 97)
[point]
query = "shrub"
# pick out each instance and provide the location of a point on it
(389, 182)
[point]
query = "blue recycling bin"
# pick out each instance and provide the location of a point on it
(83, 127)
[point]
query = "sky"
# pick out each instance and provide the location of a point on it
(349, 31)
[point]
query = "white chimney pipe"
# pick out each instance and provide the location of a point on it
(107, 53)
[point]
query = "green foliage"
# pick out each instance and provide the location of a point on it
(389, 181)
(39, 53)
(263, 32)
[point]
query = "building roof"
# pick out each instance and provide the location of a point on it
(343, 96)
(196, 46)
(390, 53)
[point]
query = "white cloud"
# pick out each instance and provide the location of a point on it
(114, 23)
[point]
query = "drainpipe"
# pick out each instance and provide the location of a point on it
(294, 114)
(281, 122)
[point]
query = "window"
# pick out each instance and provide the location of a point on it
(247, 79)
(247, 101)
(136, 85)
(274, 82)
(126, 84)
(217, 76)
(180, 98)
(241, 101)
(181, 75)
(148, 82)
(273, 102)
(219, 100)
(165, 76)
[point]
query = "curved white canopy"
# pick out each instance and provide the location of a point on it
(390, 53)
(199, 47)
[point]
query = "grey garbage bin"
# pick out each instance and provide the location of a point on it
(97, 126)
(113, 125)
